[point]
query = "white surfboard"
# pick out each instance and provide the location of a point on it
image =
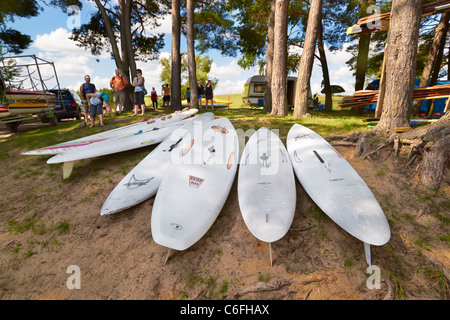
(143, 181)
(196, 186)
(336, 187)
(127, 141)
(266, 187)
(144, 126)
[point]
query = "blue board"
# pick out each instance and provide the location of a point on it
(439, 104)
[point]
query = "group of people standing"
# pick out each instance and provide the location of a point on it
(207, 91)
(93, 101)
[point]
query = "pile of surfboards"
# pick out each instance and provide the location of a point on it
(133, 136)
(266, 187)
(198, 164)
(143, 181)
(195, 186)
(192, 170)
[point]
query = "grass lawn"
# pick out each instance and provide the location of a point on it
(324, 123)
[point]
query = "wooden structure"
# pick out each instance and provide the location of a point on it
(381, 22)
(365, 97)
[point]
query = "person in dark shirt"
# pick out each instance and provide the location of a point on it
(200, 92)
(209, 94)
(86, 88)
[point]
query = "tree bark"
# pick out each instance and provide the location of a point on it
(128, 58)
(325, 72)
(400, 64)
(129, 39)
(269, 60)
(361, 65)
(191, 52)
(279, 73)
(363, 55)
(436, 157)
(111, 36)
(307, 60)
(435, 160)
(175, 92)
(439, 37)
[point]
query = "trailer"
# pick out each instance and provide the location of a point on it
(254, 87)
(27, 95)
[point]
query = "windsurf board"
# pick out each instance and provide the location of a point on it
(335, 186)
(143, 181)
(143, 126)
(193, 191)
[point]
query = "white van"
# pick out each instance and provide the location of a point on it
(253, 93)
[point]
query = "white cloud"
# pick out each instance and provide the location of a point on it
(339, 72)
(57, 41)
(229, 87)
(229, 70)
(73, 66)
(151, 71)
(165, 25)
(99, 82)
(231, 77)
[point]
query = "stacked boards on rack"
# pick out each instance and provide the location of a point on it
(29, 101)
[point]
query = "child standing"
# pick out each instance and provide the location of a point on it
(188, 97)
(154, 96)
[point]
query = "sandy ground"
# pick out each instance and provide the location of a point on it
(116, 258)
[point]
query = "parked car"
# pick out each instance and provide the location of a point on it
(67, 104)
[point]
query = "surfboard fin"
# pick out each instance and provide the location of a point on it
(270, 253)
(167, 256)
(367, 252)
(67, 169)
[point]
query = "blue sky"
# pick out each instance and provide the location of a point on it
(51, 29)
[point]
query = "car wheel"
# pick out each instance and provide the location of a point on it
(53, 120)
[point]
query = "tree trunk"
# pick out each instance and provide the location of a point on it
(175, 93)
(115, 49)
(436, 159)
(439, 38)
(435, 75)
(279, 73)
(129, 39)
(191, 52)
(307, 60)
(361, 65)
(325, 72)
(124, 40)
(111, 36)
(400, 64)
(128, 58)
(438, 64)
(436, 156)
(269, 60)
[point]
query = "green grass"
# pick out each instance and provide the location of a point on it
(324, 123)
(213, 289)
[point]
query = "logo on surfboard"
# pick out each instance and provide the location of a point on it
(195, 182)
(134, 183)
(301, 136)
(220, 129)
(296, 157)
